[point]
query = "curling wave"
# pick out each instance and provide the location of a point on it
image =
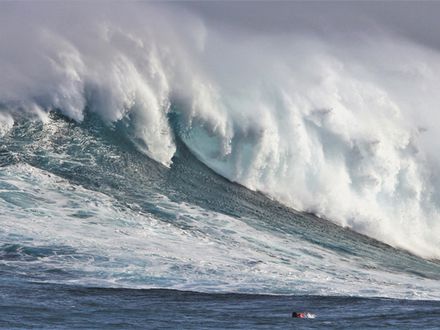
(317, 122)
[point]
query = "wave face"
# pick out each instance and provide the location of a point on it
(81, 206)
(339, 124)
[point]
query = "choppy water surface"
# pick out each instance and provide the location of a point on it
(168, 166)
(80, 213)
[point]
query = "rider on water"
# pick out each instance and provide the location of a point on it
(303, 315)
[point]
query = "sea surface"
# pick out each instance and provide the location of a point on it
(68, 307)
(97, 235)
(219, 165)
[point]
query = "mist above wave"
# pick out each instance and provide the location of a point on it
(328, 123)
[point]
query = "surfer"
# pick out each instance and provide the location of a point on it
(303, 315)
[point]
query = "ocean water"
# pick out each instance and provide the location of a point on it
(164, 168)
(61, 307)
(93, 232)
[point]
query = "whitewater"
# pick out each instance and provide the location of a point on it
(148, 146)
(307, 121)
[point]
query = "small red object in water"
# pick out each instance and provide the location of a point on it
(303, 315)
(298, 315)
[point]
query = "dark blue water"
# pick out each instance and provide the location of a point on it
(45, 306)
(45, 281)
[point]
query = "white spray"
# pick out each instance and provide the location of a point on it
(326, 125)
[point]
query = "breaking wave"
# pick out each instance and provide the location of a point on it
(343, 127)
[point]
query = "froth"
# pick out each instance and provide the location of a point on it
(321, 124)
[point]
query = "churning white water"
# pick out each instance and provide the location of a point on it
(343, 125)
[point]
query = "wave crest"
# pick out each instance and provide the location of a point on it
(324, 126)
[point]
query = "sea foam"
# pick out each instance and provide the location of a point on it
(344, 127)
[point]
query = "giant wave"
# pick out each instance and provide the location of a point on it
(340, 127)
